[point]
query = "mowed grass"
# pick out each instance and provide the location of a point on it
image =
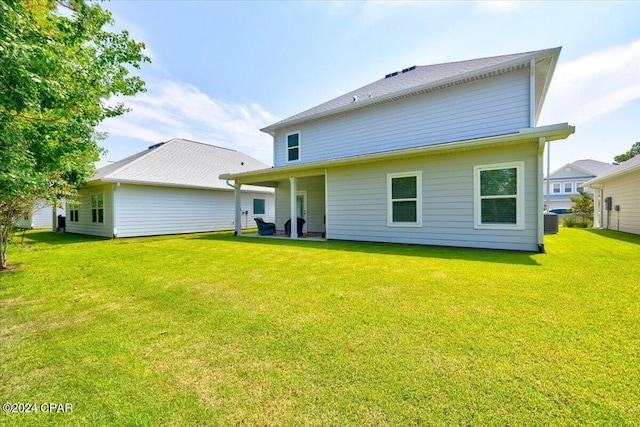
(212, 329)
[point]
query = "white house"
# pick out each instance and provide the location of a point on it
(617, 197)
(41, 216)
(447, 154)
(170, 188)
(564, 182)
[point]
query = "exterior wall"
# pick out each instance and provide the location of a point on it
(314, 186)
(623, 191)
(84, 224)
(488, 107)
(41, 216)
(357, 201)
(149, 210)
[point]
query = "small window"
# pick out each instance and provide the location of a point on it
(499, 196)
(568, 187)
(579, 186)
(97, 208)
(556, 188)
(73, 212)
(404, 193)
(293, 147)
(258, 207)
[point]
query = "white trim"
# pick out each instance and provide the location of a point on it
(477, 198)
(418, 199)
(286, 146)
(97, 222)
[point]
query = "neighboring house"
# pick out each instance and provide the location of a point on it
(170, 188)
(617, 199)
(41, 216)
(445, 154)
(564, 182)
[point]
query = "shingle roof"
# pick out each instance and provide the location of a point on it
(419, 78)
(621, 169)
(589, 167)
(180, 163)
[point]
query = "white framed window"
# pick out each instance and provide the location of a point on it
(97, 208)
(72, 208)
(568, 187)
(499, 196)
(293, 147)
(579, 186)
(258, 206)
(404, 199)
(557, 187)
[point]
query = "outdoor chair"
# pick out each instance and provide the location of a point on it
(265, 228)
(287, 226)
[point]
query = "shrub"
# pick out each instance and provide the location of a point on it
(569, 222)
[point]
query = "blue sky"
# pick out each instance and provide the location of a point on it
(222, 70)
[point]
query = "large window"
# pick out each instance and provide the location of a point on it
(499, 195)
(73, 212)
(97, 208)
(293, 147)
(258, 207)
(404, 197)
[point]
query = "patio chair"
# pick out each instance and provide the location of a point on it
(265, 228)
(287, 226)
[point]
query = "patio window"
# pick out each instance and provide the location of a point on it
(258, 206)
(293, 147)
(404, 198)
(499, 196)
(97, 208)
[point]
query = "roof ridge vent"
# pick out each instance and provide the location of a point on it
(395, 73)
(406, 70)
(151, 147)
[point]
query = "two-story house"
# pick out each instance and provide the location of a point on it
(447, 154)
(565, 182)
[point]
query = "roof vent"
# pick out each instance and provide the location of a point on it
(156, 145)
(355, 98)
(406, 70)
(392, 74)
(370, 95)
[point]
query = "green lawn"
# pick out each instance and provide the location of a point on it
(211, 329)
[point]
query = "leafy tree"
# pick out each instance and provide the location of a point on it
(583, 205)
(635, 150)
(59, 67)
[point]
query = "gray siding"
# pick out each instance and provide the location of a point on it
(149, 210)
(357, 201)
(493, 106)
(84, 224)
(314, 186)
(623, 192)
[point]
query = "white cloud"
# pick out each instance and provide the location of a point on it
(594, 85)
(176, 109)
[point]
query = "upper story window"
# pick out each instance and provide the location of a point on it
(499, 196)
(293, 147)
(579, 186)
(404, 199)
(568, 187)
(258, 206)
(556, 188)
(97, 208)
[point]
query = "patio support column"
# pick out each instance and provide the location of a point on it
(238, 212)
(294, 213)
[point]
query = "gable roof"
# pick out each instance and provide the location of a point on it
(631, 165)
(180, 163)
(422, 79)
(590, 168)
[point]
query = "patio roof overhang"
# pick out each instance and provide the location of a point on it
(270, 177)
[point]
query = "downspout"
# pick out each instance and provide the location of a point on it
(541, 144)
(237, 221)
(113, 211)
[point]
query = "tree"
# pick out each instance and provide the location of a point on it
(583, 205)
(635, 150)
(59, 69)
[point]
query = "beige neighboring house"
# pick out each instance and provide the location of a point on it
(170, 188)
(446, 154)
(617, 197)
